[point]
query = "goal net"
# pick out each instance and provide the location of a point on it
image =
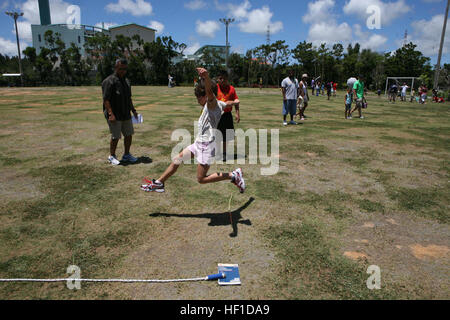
(411, 82)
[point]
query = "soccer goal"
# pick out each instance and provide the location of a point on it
(410, 81)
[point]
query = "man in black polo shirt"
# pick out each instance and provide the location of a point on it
(117, 105)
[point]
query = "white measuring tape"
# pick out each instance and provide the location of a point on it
(207, 278)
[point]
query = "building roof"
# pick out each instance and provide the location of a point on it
(130, 24)
(73, 27)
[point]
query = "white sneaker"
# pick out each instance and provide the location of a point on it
(238, 180)
(284, 123)
(113, 160)
(361, 117)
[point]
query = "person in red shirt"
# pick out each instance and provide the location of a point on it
(227, 94)
(334, 89)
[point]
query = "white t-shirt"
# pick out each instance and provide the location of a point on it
(291, 88)
(208, 121)
(404, 88)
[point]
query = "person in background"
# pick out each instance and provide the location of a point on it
(403, 94)
(117, 105)
(329, 88)
(413, 95)
(303, 94)
(423, 94)
(348, 103)
(227, 94)
(358, 95)
(290, 91)
(393, 92)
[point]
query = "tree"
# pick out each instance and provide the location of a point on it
(306, 55)
(407, 62)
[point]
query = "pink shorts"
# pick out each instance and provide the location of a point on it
(204, 152)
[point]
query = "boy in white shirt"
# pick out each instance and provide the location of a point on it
(204, 146)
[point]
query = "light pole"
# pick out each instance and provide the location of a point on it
(227, 23)
(438, 66)
(15, 16)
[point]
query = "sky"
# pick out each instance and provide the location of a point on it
(379, 25)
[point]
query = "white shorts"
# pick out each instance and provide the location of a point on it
(204, 152)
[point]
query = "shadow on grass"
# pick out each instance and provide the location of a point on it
(217, 219)
(140, 160)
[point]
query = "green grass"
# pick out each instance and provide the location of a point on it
(424, 201)
(312, 268)
(62, 204)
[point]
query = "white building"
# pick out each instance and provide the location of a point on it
(78, 34)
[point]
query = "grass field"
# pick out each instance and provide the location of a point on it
(349, 194)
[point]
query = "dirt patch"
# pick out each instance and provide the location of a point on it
(369, 225)
(356, 255)
(5, 132)
(429, 252)
(2, 101)
(192, 246)
(392, 221)
(146, 107)
(405, 248)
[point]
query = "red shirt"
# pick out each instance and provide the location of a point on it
(225, 94)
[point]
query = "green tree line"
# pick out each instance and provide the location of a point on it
(151, 62)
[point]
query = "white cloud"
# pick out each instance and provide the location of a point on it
(251, 20)
(208, 28)
(326, 29)
(318, 11)
(389, 11)
(258, 20)
(374, 42)
(30, 8)
(158, 26)
(134, 7)
(330, 32)
(324, 26)
(368, 40)
(8, 47)
(195, 5)
(237, 11)
(427, 35)
(191, 49)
